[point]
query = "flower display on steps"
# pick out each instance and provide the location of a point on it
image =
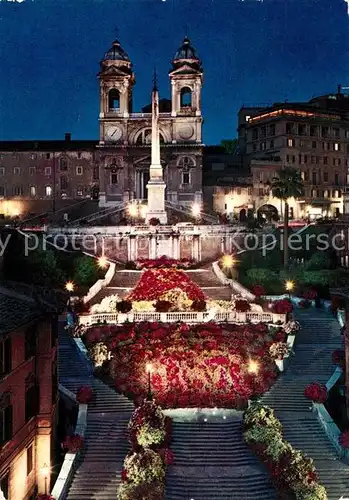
(164, 262)
(154, 283)
(258, 290)
(292, 327)
(292, 472)
(282, 306)
(107, 305)
(279, 350)
(344, 439)
(143, 474)
(73, 443)
(84, 395)
(202, 365)
(316, 392)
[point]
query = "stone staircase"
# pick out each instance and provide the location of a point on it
(213, 462)
(121, 284)
(99, 472)
(319, 336)
(209, 283)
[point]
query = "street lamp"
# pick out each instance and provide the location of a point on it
(102, 262)
(228, 261)
(45, 471)
(149, 370)
(253, 367)
(133, 210)
(69, 286)
(289, 285)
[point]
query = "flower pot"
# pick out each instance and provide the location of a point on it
(290, 340)
(280, 364)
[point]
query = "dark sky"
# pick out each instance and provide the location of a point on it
(252, 53)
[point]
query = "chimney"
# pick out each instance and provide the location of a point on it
(67, 137)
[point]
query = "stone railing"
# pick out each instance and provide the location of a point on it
(62, 484)
(186, 317)
(97, 287)
(235, 285)
(330, 427)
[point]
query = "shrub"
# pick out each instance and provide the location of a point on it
(144, 466)
(283, 306)
(318, 262)
(198, 305)
(147, 425)
(258, 290)
(292, 327)
(124, 306)
(242, 305)
(146, 491)
(278, 350)
(162, 306)
(84, 395)
(261, 275)
(154, 221)
(316, 392)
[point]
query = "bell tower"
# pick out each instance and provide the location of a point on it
(116, 83)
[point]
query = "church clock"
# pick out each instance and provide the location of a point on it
(113, 133)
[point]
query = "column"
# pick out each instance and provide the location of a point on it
(152, 247)
(129, 251)
(223, 244)
(195, 248)
(133, 248)
(176, 247)
(170, 243)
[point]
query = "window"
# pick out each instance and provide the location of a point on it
(336, 146)
(48, 156)
(293, 159)
(79, 191)
(325, 176)
(287, 158)
(185, 178)
(303, 176)
(48, 191)
(247, 118)
(347, 134)
(29, 459)
(335, 132)
(186, 98)
(301, 144)
(32, 170)
(264, 131)
(263, 146)
(324, 131)
(313, 130)
(301, 129)
(63, 164)
(306, 176)
(336, 193)
(18, 191)
(79, 170)
(30, 341)
(291, 143)
(336, 179)
(5, 356)
(272, 129)
(326, 193)
(271, 145)
(47, 171)
(313, 193)
(2, 170)
(32, 156)
(95, 174)
(186, 162)
(79, 155)
(114, 100)
(63, 182)
(6, 418)
(313, 160)
(314, 144)
(114, 178)
(289, 128)
(314, 178)
(32, 191)
(305, 159)
(16, 170)
(325, 160)
(31, 397)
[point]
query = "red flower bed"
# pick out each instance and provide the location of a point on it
(155, 282)
(316, 392)
(258, 290)
(282, 306)
(164, 262)
(84, 395)
(203, 365)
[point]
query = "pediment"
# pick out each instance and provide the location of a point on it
(113, 71)
(145, 162)
(185, 70)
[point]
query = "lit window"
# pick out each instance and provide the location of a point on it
(48, 190)
(336, 146)
(2, 170)
(33, 156)
(290, 143)
(32, 191)
(17, 170)
(18, 191)
(247, 118)
(79, 170)
(47, 171)
(63, 164)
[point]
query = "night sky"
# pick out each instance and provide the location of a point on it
(252, 53)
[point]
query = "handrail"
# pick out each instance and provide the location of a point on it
(97, 287)
(235, 285)
(63, 481)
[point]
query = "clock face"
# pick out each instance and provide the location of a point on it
(113, 133)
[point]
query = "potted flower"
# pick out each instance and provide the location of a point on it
(316, 392)
(283, 306)
(291, 329)
(338, 357)
(84, 395)
(124, 306)
(198, 305)
(278, 351)
(154, 221)
(162, 306)
(73, 443)
(258, 291)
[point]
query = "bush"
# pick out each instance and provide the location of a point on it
(242, 306)
(124, 306)
(162, 306)
(316, 392)
(147, 427)
(154, 221)
(262, 276)
(318, 262)
(145, 466)
(98, 353)
(198, 305)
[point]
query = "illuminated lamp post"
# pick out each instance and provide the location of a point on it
(133, 210)
(44, 471)
(69, 286)
(149, 370)
(228, 262)
(102, 262)
(196, 210)
(289, 285)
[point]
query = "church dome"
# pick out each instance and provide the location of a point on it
(186, 51)
(116, 53)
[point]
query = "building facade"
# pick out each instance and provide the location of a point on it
(125, 136)
(28, 390)
(312, 137)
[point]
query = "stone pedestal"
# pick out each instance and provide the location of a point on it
(156, 201)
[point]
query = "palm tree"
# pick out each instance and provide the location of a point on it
(287, 184)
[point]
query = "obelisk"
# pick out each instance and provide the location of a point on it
(156, 186)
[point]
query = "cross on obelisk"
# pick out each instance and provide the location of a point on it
(156, 186)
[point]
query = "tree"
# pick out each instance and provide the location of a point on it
(287, 184)
(230, 145)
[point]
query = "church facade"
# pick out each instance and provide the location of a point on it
(124, 148)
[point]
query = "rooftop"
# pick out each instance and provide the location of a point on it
(21, 304)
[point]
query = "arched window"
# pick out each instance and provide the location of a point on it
(48, 191)
(144, 137)
(186, 97)
(186, 162)
(114, 100)
(64, 182)
(63, 164)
